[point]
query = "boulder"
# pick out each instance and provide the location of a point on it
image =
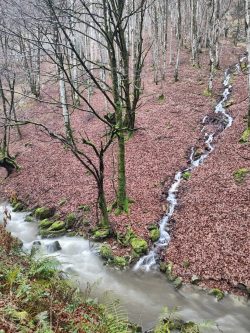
(70, 220)
(44, 224)
(154, 235)
(100, 234)
(36, 245)
(29, 218)
(120, 261)
(53, 247)
(139, 245)
(106, 251)
(44, 213)
(57, 225)
(45, 233)
(19, 207)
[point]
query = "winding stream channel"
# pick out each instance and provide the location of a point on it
(143, 291)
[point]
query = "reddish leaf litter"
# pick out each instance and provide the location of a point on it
(211, 222)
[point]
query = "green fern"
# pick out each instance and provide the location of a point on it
(44, 268)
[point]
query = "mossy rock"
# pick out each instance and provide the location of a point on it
(19, 207)
(186, 175)
(70, 220)
(219, 294)
(29, 218)
(139, 245)
(120, 261)
(100, 234)
(154, 235)
(163, 267)
(44, 233)
(240, 175)
(169, 272)
(57, 225)
(45, 224)
(44, 213)
(245, 136)
(106, 252)
(177, 282)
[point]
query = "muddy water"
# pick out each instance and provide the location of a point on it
(142, 294)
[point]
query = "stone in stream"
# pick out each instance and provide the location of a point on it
(53, 247)
(36, 245)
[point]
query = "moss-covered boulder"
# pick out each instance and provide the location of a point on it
(139, 245)
(100, 234)
(177, 282)
(163, 267)
(169, 272)
(70, 220)
(57, 225)
(44, 224)
(42, 213)
(219, 294)
(120, 261)
(154, 235)
(29, 218)
(18, 207)
(106, 251)
(45, 233)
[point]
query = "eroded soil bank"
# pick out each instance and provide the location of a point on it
(211, 203)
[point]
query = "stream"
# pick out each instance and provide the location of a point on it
(143, 291)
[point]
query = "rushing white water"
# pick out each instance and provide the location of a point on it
(142, 294)
(150, 260)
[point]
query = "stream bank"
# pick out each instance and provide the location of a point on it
(142, 295)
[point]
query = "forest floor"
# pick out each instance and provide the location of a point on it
(210, 230)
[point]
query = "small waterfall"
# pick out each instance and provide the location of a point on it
(150, 260)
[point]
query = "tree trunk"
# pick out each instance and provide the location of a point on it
(248, 51)
(121, 195)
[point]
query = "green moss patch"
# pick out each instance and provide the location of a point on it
(219, 294)
(245, 136)
(44, 213)
(186, 175)
(45, 233)
(19, 207)
(44, 224)
(125, 239)
(120, 261)
(154, 235)
(106, 251)
(169, 272)
(240, 175)
(58, 225)
(139, 245)
(70, 220)
(100, 234)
